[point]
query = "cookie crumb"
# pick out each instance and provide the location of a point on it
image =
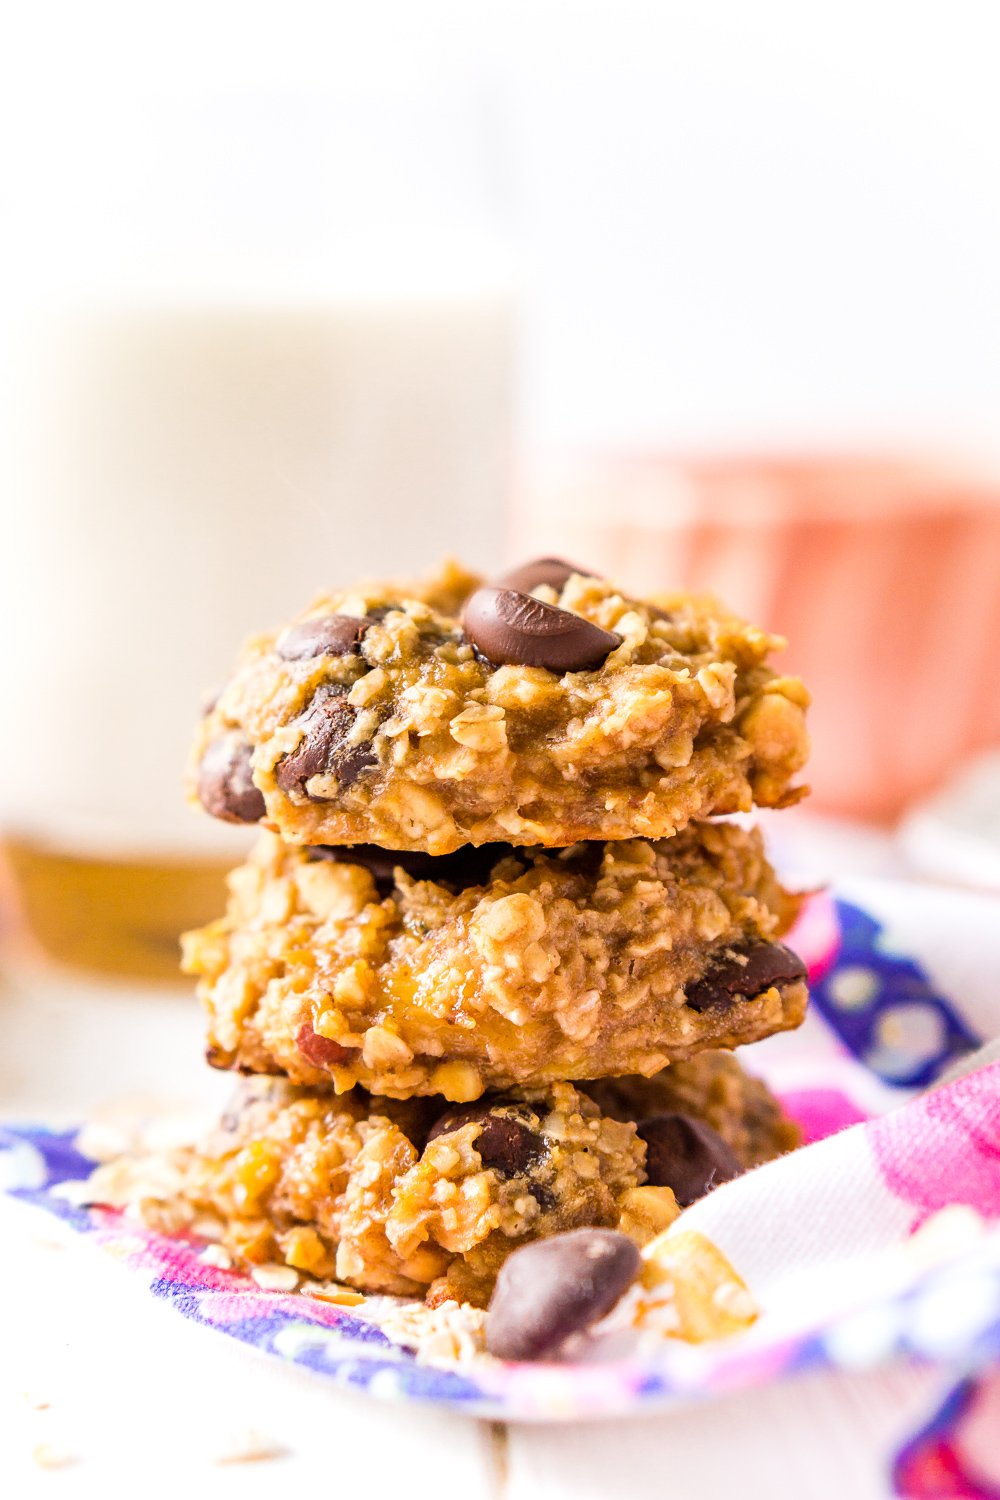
(248, 1447)
(52, 1456)
(273, 1278)
(217, 1256)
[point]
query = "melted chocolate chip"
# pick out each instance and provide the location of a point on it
(324, 749)
(551, 570)
(544, 1195)
(746, 971)
(556, 1287)
(505, 1143)
(511, 627)
(325, 635)
(225, 781)
(321, 1051)
(461, 870)
(686, 1155)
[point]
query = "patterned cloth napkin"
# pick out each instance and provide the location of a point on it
(878, 1240)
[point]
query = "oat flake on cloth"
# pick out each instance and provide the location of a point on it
(878, 1241)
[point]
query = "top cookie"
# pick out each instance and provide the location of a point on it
(547, 708)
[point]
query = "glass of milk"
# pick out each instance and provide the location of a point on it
(277, 357)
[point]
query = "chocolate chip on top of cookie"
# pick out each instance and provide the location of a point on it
(544, 708)
(512, 627)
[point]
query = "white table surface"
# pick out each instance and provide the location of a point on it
(101, 1387)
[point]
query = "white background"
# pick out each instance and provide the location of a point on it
(743, 222)
(747, 223)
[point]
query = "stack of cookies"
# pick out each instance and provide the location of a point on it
(485, 967)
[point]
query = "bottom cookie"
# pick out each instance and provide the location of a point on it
(412, 1197)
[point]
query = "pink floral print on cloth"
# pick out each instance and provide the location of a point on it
(940, 1304)
(945, 1147)
(842, 1242)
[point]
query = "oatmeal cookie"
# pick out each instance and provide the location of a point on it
(549, 709)
(411, 1196)
(495, 967)
(712, 1086)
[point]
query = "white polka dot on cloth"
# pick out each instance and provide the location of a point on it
(853, 988)
(906, 1039)
(21, 1166)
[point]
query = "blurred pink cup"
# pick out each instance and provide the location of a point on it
(883, 573)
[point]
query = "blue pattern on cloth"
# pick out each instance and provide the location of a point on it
(885, 1008)
(355, 1353)
(931, 1465)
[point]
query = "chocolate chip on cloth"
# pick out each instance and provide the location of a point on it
(225, 780)
(687, 1156)
(512, 627)
(325, 748)
(454, 713)
(551, 1289)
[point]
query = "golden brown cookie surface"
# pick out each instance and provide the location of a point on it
(431, 717)
(510, 967)
(417, 1197)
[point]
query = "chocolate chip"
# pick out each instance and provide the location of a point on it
(748, 970)
(505, 1143)
(321, 1051)
(324, 635)
(511, 627)
(556, 1287)
(454, 1119)
(461, 870)
(686, 1155)
(551, 570)
(324, 749)
(225, 781)
(544, 1195)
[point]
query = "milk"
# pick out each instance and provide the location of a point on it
(177, 476)
(191, 474)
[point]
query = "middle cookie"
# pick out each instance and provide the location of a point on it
(496, 967)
